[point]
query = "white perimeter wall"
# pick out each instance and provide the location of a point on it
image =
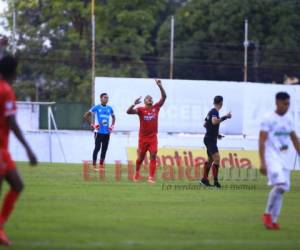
(184, 111)
(78, 145)
(188, 103)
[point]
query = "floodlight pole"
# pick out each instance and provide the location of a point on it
(172, 48)
(246, 44)
(93, 51)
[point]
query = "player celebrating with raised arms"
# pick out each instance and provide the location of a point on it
(148, 116)
(275, 137)
(212, 124)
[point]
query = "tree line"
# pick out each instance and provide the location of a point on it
(133, 40)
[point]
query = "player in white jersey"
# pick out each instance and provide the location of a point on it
(277, 134)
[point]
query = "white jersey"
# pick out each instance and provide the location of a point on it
(278, 143)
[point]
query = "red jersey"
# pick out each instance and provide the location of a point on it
(7, 107)
(148, 121)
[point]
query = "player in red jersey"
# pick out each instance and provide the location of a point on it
(8, 171)
(148, 130)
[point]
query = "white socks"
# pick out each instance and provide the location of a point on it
(275, 202)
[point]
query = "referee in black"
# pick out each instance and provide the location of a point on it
(212, 124)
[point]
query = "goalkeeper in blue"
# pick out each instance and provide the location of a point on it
(276, 138)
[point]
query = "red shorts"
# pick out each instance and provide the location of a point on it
(148, 144)
(6, 163)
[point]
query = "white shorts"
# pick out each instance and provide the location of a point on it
(278, 175)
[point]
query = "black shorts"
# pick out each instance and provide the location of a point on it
(211, 146)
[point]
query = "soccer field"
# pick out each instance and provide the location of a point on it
(59, 210)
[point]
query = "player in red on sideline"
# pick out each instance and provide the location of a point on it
(8, 171)
(148, 116)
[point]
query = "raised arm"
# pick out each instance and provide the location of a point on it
(162, 91)
(131, 110)
(18, 133)
(261, 148)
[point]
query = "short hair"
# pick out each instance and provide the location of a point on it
(147, 96)
(8, 66)
(282, 96)
(103, 94)
(218, 99)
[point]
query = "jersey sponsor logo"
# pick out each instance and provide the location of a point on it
(281, 133)
(104, 122)
(284, 148)
(149, 117)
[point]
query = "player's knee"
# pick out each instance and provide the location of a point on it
(282, 188)
(18, 187)
(97, 149)
(153, 156)
(217, 161)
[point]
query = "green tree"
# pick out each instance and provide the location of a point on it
(210, 34)
(54, 41)
(53, 38)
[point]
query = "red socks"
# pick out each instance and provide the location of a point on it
(215, 170)
(8, 205)
(138, 166)
(152, 168)
(206, 170)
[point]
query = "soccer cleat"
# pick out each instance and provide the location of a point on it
(205, 182)
(267, 220)
(4, 239)
(217, 184)
(276, 226)
(136, 177)
(95, 166)
(151, 180)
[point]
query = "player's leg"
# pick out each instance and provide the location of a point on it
(16, 187)
(215, 167)
(153, 153)
(208, 163)
(281, 181)
(273, 207)
(151, 178)
(3, 237)
(206, 169)
(96, 148)
(141, 156)
(104, 147)
(142, 150)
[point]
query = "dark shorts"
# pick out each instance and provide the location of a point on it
(211, 146)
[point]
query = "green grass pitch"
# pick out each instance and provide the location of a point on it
(59, 210)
